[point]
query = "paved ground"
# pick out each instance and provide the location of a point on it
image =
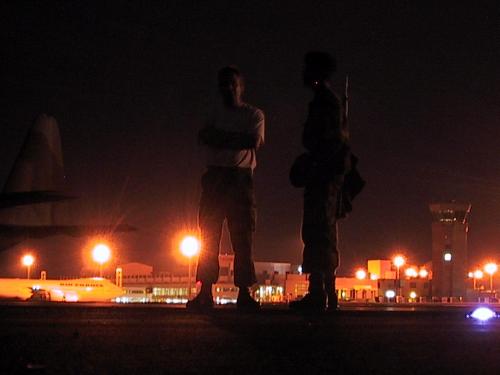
(153, 339)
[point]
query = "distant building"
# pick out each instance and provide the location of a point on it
(449, 249)
(277, 282)
(381, 269)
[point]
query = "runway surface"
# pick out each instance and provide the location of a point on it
(157, 339)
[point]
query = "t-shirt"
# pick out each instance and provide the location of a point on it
(244, 119)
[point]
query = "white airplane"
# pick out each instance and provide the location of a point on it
(35, 186)
(95, 289)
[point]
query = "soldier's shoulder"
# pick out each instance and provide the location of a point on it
(253, 111)
(326, 99)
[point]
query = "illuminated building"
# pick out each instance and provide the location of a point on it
(449, 249)
(381, 268)
(277, 282)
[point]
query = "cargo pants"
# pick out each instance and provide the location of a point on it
(227, 194)
(319, 228)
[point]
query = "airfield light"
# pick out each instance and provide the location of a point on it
(190, 247)
(361, 274)
(478, 274)
(28, 260)
(398, 261)
(411, 272)
(101, 254)
(423, 273)
(482, 314)
(390, 294)
(491, 268)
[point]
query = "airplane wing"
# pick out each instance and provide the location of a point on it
(42, 231)
(11, 235)
(14, 199)
(36, 183)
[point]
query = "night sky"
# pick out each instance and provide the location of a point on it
(130, 86)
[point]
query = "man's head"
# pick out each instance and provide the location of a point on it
(318, 68)
(231, 85)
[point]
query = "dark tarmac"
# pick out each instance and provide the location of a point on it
(156, 339)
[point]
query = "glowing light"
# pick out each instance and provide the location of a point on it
(482, 314)
(390, 294)
(299, 269)
(447, 257)
(490, 268)
(28, 260)
(373, 277)
(360, 274)
(423, 273)
(413, 295)
(470, 275)
(101, 253)
(478, 274)
(399, 260)
(411, 272)
(190, 246)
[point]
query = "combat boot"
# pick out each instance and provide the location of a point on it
(245, 302)
(203, 302)
(312, 302)
(333, 302)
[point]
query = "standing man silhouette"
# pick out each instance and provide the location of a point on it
(325, 137)
(232, 136)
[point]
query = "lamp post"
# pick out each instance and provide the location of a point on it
(447, 258)
(190, 246)
(101, 254)
(490, 269)
(398, 261)
(478, 275)
(28, 260)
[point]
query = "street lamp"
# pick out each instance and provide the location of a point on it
(411, 272)
(398, 261)
(28, 260)
(490, 269)
(101, 254)
(361, 274)
(423, 273)
(476, 275)
(190, 246)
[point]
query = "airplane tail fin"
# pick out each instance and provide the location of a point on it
(38, 168)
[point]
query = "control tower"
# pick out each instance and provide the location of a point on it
(449, 248)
